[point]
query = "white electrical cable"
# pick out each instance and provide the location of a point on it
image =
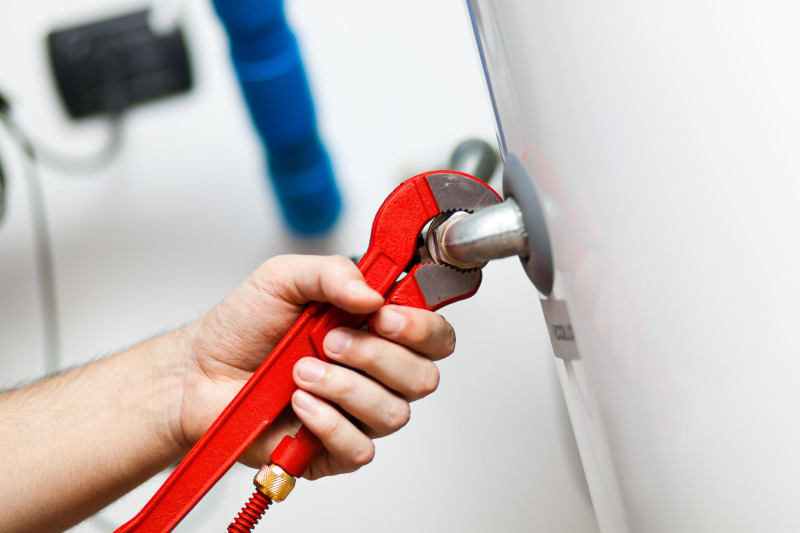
(42, 243)
(84, 164)
(65, 163)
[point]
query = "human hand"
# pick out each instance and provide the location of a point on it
(383, 372)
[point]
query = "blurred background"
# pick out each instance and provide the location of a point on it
(184, 212)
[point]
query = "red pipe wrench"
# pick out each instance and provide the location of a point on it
(393, 244)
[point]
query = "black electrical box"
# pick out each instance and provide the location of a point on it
(110, 65)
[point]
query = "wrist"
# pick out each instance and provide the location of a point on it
(169, 358)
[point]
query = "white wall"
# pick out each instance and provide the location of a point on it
(184, 214)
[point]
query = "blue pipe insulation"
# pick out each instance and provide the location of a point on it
(267, 62)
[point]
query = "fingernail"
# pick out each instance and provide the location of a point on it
(360, 289)
(310, 369)
(391, 321)
(337, 341)
(304, 401)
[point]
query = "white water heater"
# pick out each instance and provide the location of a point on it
(663, 140)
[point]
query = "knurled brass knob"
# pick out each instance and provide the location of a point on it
(273, 482)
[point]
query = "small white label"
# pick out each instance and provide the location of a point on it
(559, 326)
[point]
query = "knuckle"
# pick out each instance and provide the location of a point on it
(337, 271)
(277, 267)
(278, 262)
(328, 427)
(275, 262)
(341, 261)
(364, 452)
(342, 387)
(365, 352)
(449, 340)
(398, 415)
(378, 354)
(341, 264)
(268, 273)
(428, 380)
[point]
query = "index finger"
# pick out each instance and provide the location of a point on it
(423, 331)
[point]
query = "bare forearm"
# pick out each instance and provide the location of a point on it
(71, 444)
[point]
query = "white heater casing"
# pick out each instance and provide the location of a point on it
(664, 142)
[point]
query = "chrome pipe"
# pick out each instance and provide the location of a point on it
(471, 240)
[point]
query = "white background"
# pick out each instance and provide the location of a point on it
(184, 214)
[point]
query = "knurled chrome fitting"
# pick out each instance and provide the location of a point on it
(274, 482)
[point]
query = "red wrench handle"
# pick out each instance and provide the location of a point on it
(258, 403)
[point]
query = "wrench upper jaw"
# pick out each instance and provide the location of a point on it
(455, 191)
(400, 220)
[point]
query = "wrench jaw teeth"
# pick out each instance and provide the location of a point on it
(441, 284)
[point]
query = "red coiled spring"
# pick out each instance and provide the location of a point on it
(250, 514)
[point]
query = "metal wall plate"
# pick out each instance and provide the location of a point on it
(538, 265)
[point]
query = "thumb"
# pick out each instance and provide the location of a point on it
(298, 279)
